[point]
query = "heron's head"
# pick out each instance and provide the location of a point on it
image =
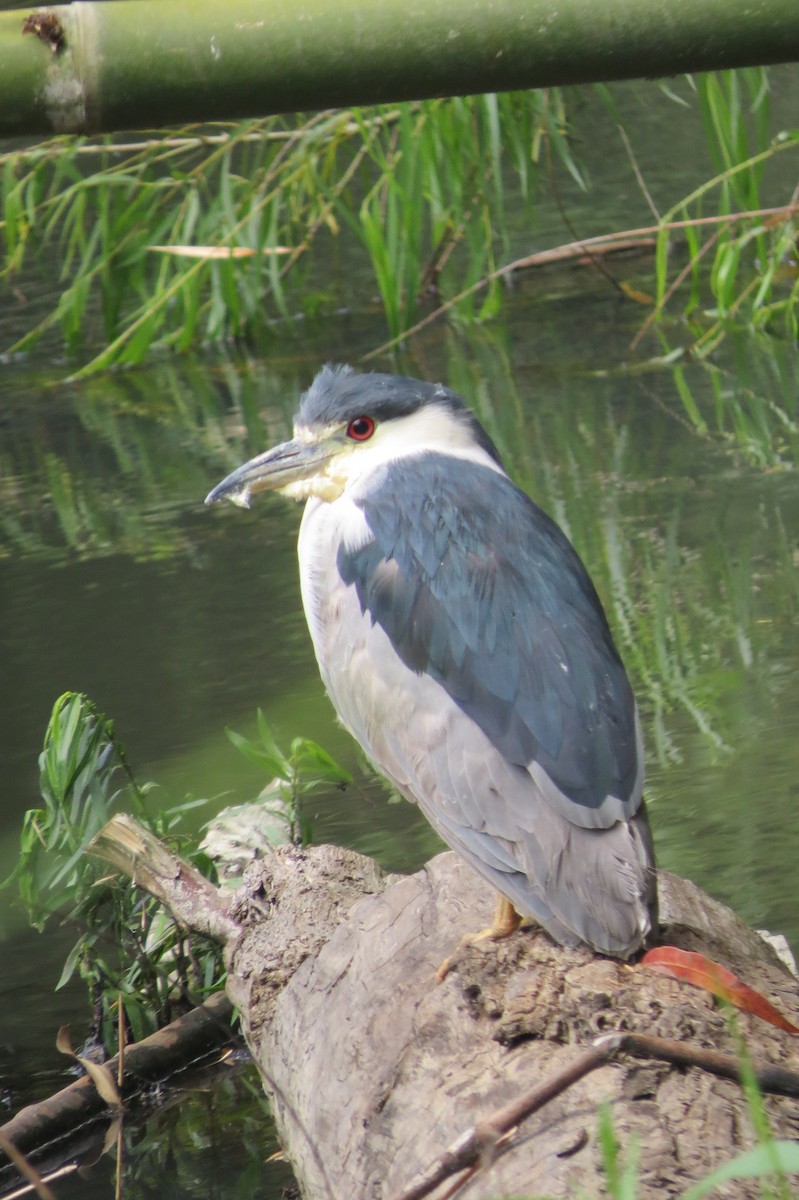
(348, 424)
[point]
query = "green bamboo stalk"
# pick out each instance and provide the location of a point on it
(95, 67)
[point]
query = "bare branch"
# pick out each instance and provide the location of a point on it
(140, 855)
(479, 1145)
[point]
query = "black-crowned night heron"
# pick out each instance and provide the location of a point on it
(464, 647)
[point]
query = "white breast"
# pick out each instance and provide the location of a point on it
(327, 601)
(339, 630)
(373, 692)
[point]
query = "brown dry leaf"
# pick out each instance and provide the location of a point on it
(99, 1073)
(638, 297)
(210, 252)
(712, 977)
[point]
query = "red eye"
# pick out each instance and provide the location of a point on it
(360, 429)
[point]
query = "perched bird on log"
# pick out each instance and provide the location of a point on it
(464, 647)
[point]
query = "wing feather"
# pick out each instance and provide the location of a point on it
(477, 587)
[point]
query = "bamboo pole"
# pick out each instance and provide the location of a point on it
(93, 67)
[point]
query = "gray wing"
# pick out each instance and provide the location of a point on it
(592, 885)
(478, 589)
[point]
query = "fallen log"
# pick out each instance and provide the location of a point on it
(186, 1041)
(373, 1071)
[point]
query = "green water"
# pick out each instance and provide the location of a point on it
(179, 621)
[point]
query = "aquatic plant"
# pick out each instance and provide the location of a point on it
(208, 234)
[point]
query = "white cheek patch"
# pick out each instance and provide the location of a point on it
(434, 428)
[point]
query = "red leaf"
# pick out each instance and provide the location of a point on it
(712, 977)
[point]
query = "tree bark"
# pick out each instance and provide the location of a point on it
(373, 1070)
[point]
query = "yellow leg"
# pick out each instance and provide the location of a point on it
(506, 921)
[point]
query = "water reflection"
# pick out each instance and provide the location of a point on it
(211, 1137)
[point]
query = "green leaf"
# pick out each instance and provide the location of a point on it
(622, 1180)
(775, 1158)
(273, 764)
(311, 756)
(265, 734)
(84, 943)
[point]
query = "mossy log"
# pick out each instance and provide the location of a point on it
(373, 1069)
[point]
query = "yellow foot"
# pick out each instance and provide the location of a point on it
(506, 921)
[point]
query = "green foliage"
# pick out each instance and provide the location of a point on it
(128, 947)
(770, 1159)
(755, 390)
(621, 1177)
(79, 766)
(745, 249)
(219, 1140)
(766, 1159)
(777, 1159)
(439, 196)
(244, 190)
(305, 769)
(421, 186)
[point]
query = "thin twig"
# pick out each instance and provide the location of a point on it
(675, 284)
(25, 1189)
(121, 1044)
(638, 173)
(594, 259)
(122, 1041)
(481, 1141)
(478, 1146)
(119, 1160)
(185, 142)
(26, 1168)
(777, 1081)
(601, 243)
